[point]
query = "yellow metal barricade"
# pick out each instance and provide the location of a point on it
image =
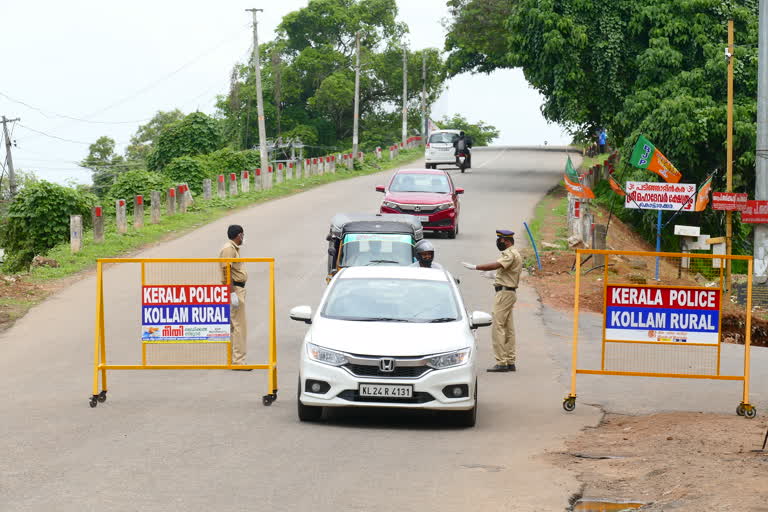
(170, 350)
(664, 315)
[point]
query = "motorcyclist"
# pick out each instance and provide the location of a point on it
(463, 143)
(425, 255)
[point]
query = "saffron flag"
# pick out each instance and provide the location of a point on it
(573, 183)
(702, 196)
(616, 187)
(646, 156)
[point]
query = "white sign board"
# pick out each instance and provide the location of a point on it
(687, 230)
(660, 196)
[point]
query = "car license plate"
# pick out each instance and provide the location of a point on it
(386, 390)
(424, 218)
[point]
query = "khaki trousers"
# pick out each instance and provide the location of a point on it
(503, 330)
(239, 331)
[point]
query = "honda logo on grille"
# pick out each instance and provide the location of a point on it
(387, 364)
(417, 208)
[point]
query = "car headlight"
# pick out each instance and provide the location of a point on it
(443, 206)
(450, 359)
(325, 356)
(389, 204)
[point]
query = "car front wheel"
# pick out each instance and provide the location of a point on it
(307, 412)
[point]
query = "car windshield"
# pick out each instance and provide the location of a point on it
(376, 249)
(412, 182)
(443, 137)
(392, 300)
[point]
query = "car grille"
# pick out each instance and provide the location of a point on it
(422, 208)
(407, 372)
(419, 397)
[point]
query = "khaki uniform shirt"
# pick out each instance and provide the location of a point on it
(511, 266)
(239, 272)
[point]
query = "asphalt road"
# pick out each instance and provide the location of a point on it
(201, 440)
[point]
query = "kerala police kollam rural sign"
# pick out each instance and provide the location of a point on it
(660, 196)
(662, 315)
(185, 313)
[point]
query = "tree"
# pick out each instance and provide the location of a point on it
(38, 219)
(196, 134)
(138, 182)
(105, 164)
(147, 134)
(186, 169)
(482, 134)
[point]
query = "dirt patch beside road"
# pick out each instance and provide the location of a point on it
(676, 461)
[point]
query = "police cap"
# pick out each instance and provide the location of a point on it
(504, 233)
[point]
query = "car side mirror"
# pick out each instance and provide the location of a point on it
(479, 319)
(459, 190)
(379, 188)
(332, 251)
(301, 314)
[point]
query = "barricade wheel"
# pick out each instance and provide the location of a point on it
(93, 402)
(569, 404)
(102, 396)
(750, 412)
(740, 410)
(266, 400)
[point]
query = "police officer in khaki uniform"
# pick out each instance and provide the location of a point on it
(508, 269)
(239, 276)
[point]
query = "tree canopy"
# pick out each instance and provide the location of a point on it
(482, 134)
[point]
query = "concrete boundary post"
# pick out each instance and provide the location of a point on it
(232, 184)
(98, 224)
(120, 216)
(221, 190)
(156, 206)
(138, 212)
(270, 173)
(207, 189)
(257, 179)
(170, 205)
(180, 206)
(245, 182)
(280, 173)
(75, 233)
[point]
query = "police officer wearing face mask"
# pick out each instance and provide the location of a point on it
(508, 269)
(425, 255)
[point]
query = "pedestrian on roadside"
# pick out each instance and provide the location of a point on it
(601, 140)
(508, 269)
(238, 276)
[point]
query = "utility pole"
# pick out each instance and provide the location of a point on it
(729, 162)
(8, 158)
(263, 153)
(424, 97)
(761, 146)
(405, 93)
(355, 120)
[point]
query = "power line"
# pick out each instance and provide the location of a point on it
(64, 116)
(54, 136)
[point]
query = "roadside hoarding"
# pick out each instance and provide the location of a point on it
(660, 196)
(185, 313)
(651, 314)
(729, 201)
(756, 212)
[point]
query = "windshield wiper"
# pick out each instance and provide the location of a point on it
(381, 261)
(379, 319)
(441, 320)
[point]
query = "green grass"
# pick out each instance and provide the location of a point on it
(544, 213)
(590, 161)
(10, 301)
(200, 213)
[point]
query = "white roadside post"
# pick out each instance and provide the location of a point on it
(120, 219)
(245, 181)
(75, 233)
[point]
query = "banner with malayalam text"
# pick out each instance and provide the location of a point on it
(646, 195)
(662, 315)
(646, 156)
(185, 313)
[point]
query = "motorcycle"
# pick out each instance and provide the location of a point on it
(462, 160)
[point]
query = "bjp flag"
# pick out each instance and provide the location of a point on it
(646, 156)
(616, 187)
(702, 196)
(573, 183)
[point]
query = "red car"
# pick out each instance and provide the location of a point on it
(429, 195)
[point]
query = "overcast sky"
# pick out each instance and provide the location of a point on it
(114, 64)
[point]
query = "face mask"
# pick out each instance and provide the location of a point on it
(425, 262)
(500, 245)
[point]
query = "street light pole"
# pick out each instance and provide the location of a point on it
(405, 93)
(761, 146)
(729, 160)
(355, 119)
(424, 96)
(263, 153)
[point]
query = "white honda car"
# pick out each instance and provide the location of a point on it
(439, 149)
(390, 337)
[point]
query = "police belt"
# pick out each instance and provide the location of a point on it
(498, 288)
(241, 284)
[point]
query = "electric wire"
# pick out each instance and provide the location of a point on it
(64, 116)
